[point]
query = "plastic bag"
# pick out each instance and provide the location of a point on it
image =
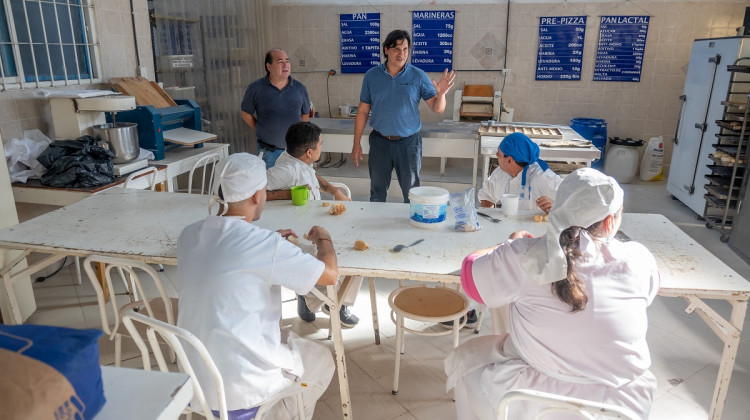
(79, 163)
(21, 154)
(50, 372)
(465, 211)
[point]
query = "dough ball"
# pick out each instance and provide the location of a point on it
(326, 204)
(293, 239)
(306, 237)
(361, 245)
(337, 209)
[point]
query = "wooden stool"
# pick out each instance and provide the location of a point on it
(426, 304)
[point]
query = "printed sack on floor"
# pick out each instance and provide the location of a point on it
(49, 373)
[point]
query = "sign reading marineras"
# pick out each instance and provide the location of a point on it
(560, 52)
(622, 41)
(432, 39)
(360, 42)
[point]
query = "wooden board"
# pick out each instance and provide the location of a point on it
(537, 132)
(478, 90)
(145, 91)
(187, 137)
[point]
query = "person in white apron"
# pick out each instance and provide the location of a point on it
(576, 301)
(230, 274)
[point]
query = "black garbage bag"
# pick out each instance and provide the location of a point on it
(78, 163)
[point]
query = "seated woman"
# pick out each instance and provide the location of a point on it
(577, 300)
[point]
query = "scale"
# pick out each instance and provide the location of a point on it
(73, 117)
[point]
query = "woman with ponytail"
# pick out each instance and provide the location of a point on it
(576, 301)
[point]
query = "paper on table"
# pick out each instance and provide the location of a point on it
(82, 93)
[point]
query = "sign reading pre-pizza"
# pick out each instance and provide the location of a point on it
(560, 51)
(432, 39)
(360, 42)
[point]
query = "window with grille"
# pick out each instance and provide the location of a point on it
(46, 43)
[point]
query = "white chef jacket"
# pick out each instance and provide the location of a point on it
(288, 171)
(230, 277)
(599, 353)
(542, 183)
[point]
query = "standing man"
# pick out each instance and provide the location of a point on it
(273, 103)
(393, 91)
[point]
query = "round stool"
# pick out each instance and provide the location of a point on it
(426, 304)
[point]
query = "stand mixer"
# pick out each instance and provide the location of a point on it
(73, 117)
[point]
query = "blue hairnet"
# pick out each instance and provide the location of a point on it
(522, 149)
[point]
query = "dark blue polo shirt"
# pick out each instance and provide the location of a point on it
(395, 100)
(275, 110)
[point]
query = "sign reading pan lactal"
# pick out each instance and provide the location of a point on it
(560, 51)
(360, 42)
(622, 41)
(432, 39)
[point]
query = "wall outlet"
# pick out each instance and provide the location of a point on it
(506, 72)
(302, 63)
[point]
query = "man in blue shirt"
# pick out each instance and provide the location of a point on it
(273, 103)
(393, 91)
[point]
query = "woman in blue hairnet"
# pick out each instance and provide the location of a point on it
(518, 155)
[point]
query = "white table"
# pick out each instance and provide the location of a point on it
(489, 145)
(439, 139)
(149, 229)
(177, 161)
(143, 394)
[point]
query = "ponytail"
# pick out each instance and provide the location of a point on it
(572, 290)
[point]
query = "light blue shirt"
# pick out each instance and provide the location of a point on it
(394, 101)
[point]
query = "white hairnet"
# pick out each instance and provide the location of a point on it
(584, 197)
(239, 175)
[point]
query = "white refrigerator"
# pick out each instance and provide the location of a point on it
(705, 88)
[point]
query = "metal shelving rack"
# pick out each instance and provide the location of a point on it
(729, 159)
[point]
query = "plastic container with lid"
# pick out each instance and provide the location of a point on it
(621, 162)
(428, 207)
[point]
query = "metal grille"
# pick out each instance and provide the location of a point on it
(47, 43)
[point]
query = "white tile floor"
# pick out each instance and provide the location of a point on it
(685, 352)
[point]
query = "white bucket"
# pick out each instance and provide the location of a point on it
(621, 162)
(428, 207)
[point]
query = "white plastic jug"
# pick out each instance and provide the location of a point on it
(621, 161)
(652, 164)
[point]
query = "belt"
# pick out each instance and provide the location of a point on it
(377, 133)
(269, 146)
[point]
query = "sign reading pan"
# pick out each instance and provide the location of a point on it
(432, 39)
(619, 55)
(360, 42)
(560, 52)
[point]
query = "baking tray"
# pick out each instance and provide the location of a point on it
(731, 125)
(721, 192)
(725, 170)
(719, 162)
(537, 132)
(728, 138)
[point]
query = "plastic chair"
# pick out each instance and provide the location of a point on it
(206, 164)
(426, 304)
(174, 337)
(161, 307)
(557, 404)
(342, 187)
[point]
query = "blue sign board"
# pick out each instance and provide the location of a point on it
(560, 52)
(622, 41)
(432, 39)
(360, 42)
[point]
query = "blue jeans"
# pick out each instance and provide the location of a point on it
(269, 156)
(403, 155)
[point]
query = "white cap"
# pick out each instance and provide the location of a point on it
(240, 176)
(584, 197)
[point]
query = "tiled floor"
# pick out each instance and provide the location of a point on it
(685, 352)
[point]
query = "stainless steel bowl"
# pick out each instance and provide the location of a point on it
(122, 139)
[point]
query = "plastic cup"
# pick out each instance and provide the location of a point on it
(509, 204)
(300, 194)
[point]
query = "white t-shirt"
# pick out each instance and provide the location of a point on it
(603, 345)
(288, 171)
(542, 183)
(230, 277)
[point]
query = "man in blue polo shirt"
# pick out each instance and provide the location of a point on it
(393, 91)
(273, 103)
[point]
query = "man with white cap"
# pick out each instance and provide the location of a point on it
(519, 155)
(577, 300)
(230, 277)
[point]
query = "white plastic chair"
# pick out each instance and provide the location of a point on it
(206, 164)
(174, 337)
(425, 304)
(151, 171)
(342, 187)
(161, 306)
(557, 404)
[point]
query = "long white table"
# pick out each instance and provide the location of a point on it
(144, 394)
(148, 230)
